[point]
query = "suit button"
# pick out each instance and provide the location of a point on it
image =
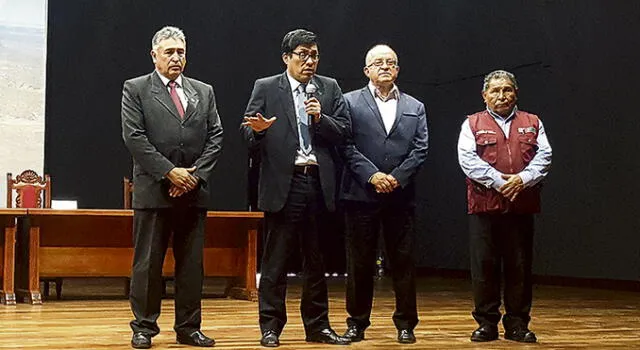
(181, 144)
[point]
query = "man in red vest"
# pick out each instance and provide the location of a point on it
(504, 152)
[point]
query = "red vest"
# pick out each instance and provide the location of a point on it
(509, 156)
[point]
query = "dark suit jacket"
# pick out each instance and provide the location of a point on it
(277, 145)
(159, 140)
(370, 149)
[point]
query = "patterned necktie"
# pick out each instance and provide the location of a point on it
(303, 121)
(175, 98)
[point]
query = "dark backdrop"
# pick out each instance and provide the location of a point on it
(575, 61)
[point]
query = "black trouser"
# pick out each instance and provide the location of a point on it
(152, 229)
(363, 223)
(296, 225)
(501, 243)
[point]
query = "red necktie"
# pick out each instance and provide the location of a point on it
(174, 97)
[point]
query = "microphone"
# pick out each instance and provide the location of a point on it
(310, 90)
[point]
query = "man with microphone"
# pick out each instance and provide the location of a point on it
(294, 133)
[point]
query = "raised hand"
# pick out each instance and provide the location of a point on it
(258, 123)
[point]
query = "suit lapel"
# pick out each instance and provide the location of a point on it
(161, 94)
(366, 94)
(192, 98)
(286, 100)
(400, 107)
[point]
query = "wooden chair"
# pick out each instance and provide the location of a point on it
(127, 190)
(32, 191)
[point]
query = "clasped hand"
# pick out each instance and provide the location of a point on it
(182, 181)
(513, 187)
(384, 183)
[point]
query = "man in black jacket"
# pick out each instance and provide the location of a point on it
(294, 120)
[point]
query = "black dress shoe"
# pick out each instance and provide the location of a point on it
(195, 339)
(327, 336)
(140, 341)
(270, 339)
(354, 334)
(406, 336)
(485, 333)
(523, 335)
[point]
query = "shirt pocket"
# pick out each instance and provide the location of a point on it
(487, 147)
(528, 146)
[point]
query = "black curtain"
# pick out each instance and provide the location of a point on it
(575, 61)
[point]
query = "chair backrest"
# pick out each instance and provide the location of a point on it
(31, 189)
(127, 190)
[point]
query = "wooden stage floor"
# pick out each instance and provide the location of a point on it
(94, 315)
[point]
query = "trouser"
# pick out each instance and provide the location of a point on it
(363, 224)
(501, 244)
(296, 225)
(152, 230)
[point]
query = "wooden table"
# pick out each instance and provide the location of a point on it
(99, 243)
(8, 219)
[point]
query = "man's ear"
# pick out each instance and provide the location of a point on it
(285, 58)
(153, 56)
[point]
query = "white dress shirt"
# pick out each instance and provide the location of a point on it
(386, 108)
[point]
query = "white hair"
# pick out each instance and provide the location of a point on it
(369, 57)
(167, 32)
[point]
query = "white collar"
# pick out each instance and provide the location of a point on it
(166, 80)
(373, 88)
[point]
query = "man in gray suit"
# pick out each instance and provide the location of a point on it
(294, 130)
(170, 125)
(388, 146)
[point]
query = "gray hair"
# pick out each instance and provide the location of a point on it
(167, 32)
(499, 74)
(369, 57)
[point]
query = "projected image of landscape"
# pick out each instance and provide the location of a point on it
(22, 84)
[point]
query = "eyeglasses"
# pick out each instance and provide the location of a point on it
(305, 55)
(379, 63)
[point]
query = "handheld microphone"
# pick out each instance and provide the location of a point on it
(310, 90)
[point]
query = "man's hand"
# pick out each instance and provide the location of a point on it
(383, 183)
(513, 186)
(312, 107)
(175, 192)
(258, 123)
(182, 178)
(393, 181)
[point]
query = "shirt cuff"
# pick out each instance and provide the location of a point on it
(526, 177)
(498, 181)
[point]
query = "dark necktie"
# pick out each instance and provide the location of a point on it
(175, 98)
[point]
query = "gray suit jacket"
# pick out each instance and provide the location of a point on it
(159, 140)
(370, 149)
(277, 146)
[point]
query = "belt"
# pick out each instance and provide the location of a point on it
(310, 169)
